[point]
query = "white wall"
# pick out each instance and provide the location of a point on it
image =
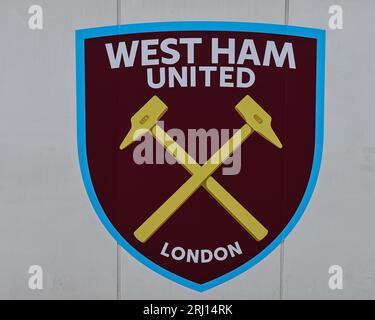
(47, 218)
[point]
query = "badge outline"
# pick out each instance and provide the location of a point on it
(83, 34)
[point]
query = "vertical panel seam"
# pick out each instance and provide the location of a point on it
(118, 12)
(118, 276)
(286, 19)
(118, 248)
(282, 248)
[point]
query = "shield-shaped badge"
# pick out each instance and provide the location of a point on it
(200, 142)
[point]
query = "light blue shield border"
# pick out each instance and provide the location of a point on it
(83, 34)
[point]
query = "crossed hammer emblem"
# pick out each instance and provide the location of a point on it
(145, 120)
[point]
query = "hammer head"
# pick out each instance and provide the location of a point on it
(258, 119)
(144, 120)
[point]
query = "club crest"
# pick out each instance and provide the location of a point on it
(200, 142)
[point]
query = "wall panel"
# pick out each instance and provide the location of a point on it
(46, 215)
(262, 281)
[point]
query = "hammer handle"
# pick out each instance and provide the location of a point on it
(169, 207)
(215, 189)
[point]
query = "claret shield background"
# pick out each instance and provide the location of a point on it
(274, 185)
